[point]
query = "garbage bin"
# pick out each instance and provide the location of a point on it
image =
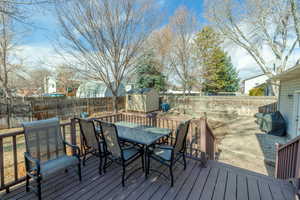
(84, 115)
(165, 107)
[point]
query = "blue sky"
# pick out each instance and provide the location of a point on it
(45, 27)
(39, 41)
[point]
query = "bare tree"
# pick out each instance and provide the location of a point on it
(104, 37)
(295, 10)
(183, 25)
(18, 9)
(66, 78)
(36, 79)
(255, 26)
(9, 64)
(160, 42)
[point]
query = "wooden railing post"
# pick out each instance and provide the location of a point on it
(297, 172)
(277, 146)
(203, 144)
(73, 133)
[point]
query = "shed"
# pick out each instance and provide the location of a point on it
(142, 100)
(96, 89)
(289, 99)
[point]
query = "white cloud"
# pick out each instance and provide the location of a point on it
(247, 66)
(40, 55)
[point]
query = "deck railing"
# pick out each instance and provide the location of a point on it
(268, 108)
(200, 142)
(288, 161)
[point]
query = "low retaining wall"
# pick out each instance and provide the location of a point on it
(228, 105)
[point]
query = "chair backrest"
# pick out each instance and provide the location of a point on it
(181, 134)
(110, 135)
(43, 139)
(88, 132)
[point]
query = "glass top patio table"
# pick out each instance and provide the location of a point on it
(141, 134)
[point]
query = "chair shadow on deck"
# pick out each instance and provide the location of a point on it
(105, 186)
(216, 181)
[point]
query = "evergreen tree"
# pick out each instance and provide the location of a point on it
(218, 73)
(231, 76)
(147, 74)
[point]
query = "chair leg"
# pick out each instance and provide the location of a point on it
(105, 163)
(171, 174)
(100, 164)
(123, 175)
(39, 189)
(79, 171)
(84, 158)
(184, 161)
(143, 164)
(27, 183)
(148, 166)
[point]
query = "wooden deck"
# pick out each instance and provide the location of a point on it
(216, 181)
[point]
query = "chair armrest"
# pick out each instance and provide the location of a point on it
(133, 146)
(75, 147)
(164, 147)
(29, 158)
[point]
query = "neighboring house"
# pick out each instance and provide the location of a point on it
(49, 85)
(289, 99)
(95, 89)
(180, 92)
(267, 88)
(253, 82)
(26, 92)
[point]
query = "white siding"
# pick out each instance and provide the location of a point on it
(286, 103)
(253, 82)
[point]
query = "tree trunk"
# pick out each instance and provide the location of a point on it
(114, 103)
(8, 111)
(184, 99)
(8, 106)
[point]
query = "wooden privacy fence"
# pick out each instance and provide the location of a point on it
(200, 143)
(43, 108)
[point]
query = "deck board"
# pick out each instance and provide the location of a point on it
(264, 191)
(231, 186)
(253, 190)
(217, 181)
(209, 187)
(220, 186)
(242, 191)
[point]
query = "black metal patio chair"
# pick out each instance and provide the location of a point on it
(169, 155)
(92, 142)
(122, 155)
(46, 152)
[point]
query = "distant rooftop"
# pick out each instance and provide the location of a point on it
(139, 91)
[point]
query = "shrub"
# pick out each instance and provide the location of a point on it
(257, 92)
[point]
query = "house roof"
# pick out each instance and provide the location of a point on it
(291, 73)
(139, 91)
(252, 77)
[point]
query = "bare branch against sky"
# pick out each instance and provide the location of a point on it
(257, 25)
(104, 38)
(183, 26)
